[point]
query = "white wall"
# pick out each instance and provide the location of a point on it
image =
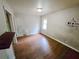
(58, 28)
(27, 24)
(4, 54)
(2, 19)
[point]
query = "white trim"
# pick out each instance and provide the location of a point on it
(12, 23)
(61, 42)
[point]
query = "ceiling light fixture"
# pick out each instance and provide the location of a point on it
(39, 9)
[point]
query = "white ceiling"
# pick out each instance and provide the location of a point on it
(30, 6)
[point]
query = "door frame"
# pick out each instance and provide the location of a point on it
(12, 23)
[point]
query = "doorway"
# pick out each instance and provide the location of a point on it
(8, 23)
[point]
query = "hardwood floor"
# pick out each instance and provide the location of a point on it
(41, 47)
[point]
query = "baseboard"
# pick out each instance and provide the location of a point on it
(61, 42)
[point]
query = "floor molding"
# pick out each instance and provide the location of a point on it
(61, 42)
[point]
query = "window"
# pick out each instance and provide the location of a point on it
(45, 24)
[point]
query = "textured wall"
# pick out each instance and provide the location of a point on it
(27, 24)
(57, 26)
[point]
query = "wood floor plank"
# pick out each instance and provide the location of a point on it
(40, 47)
